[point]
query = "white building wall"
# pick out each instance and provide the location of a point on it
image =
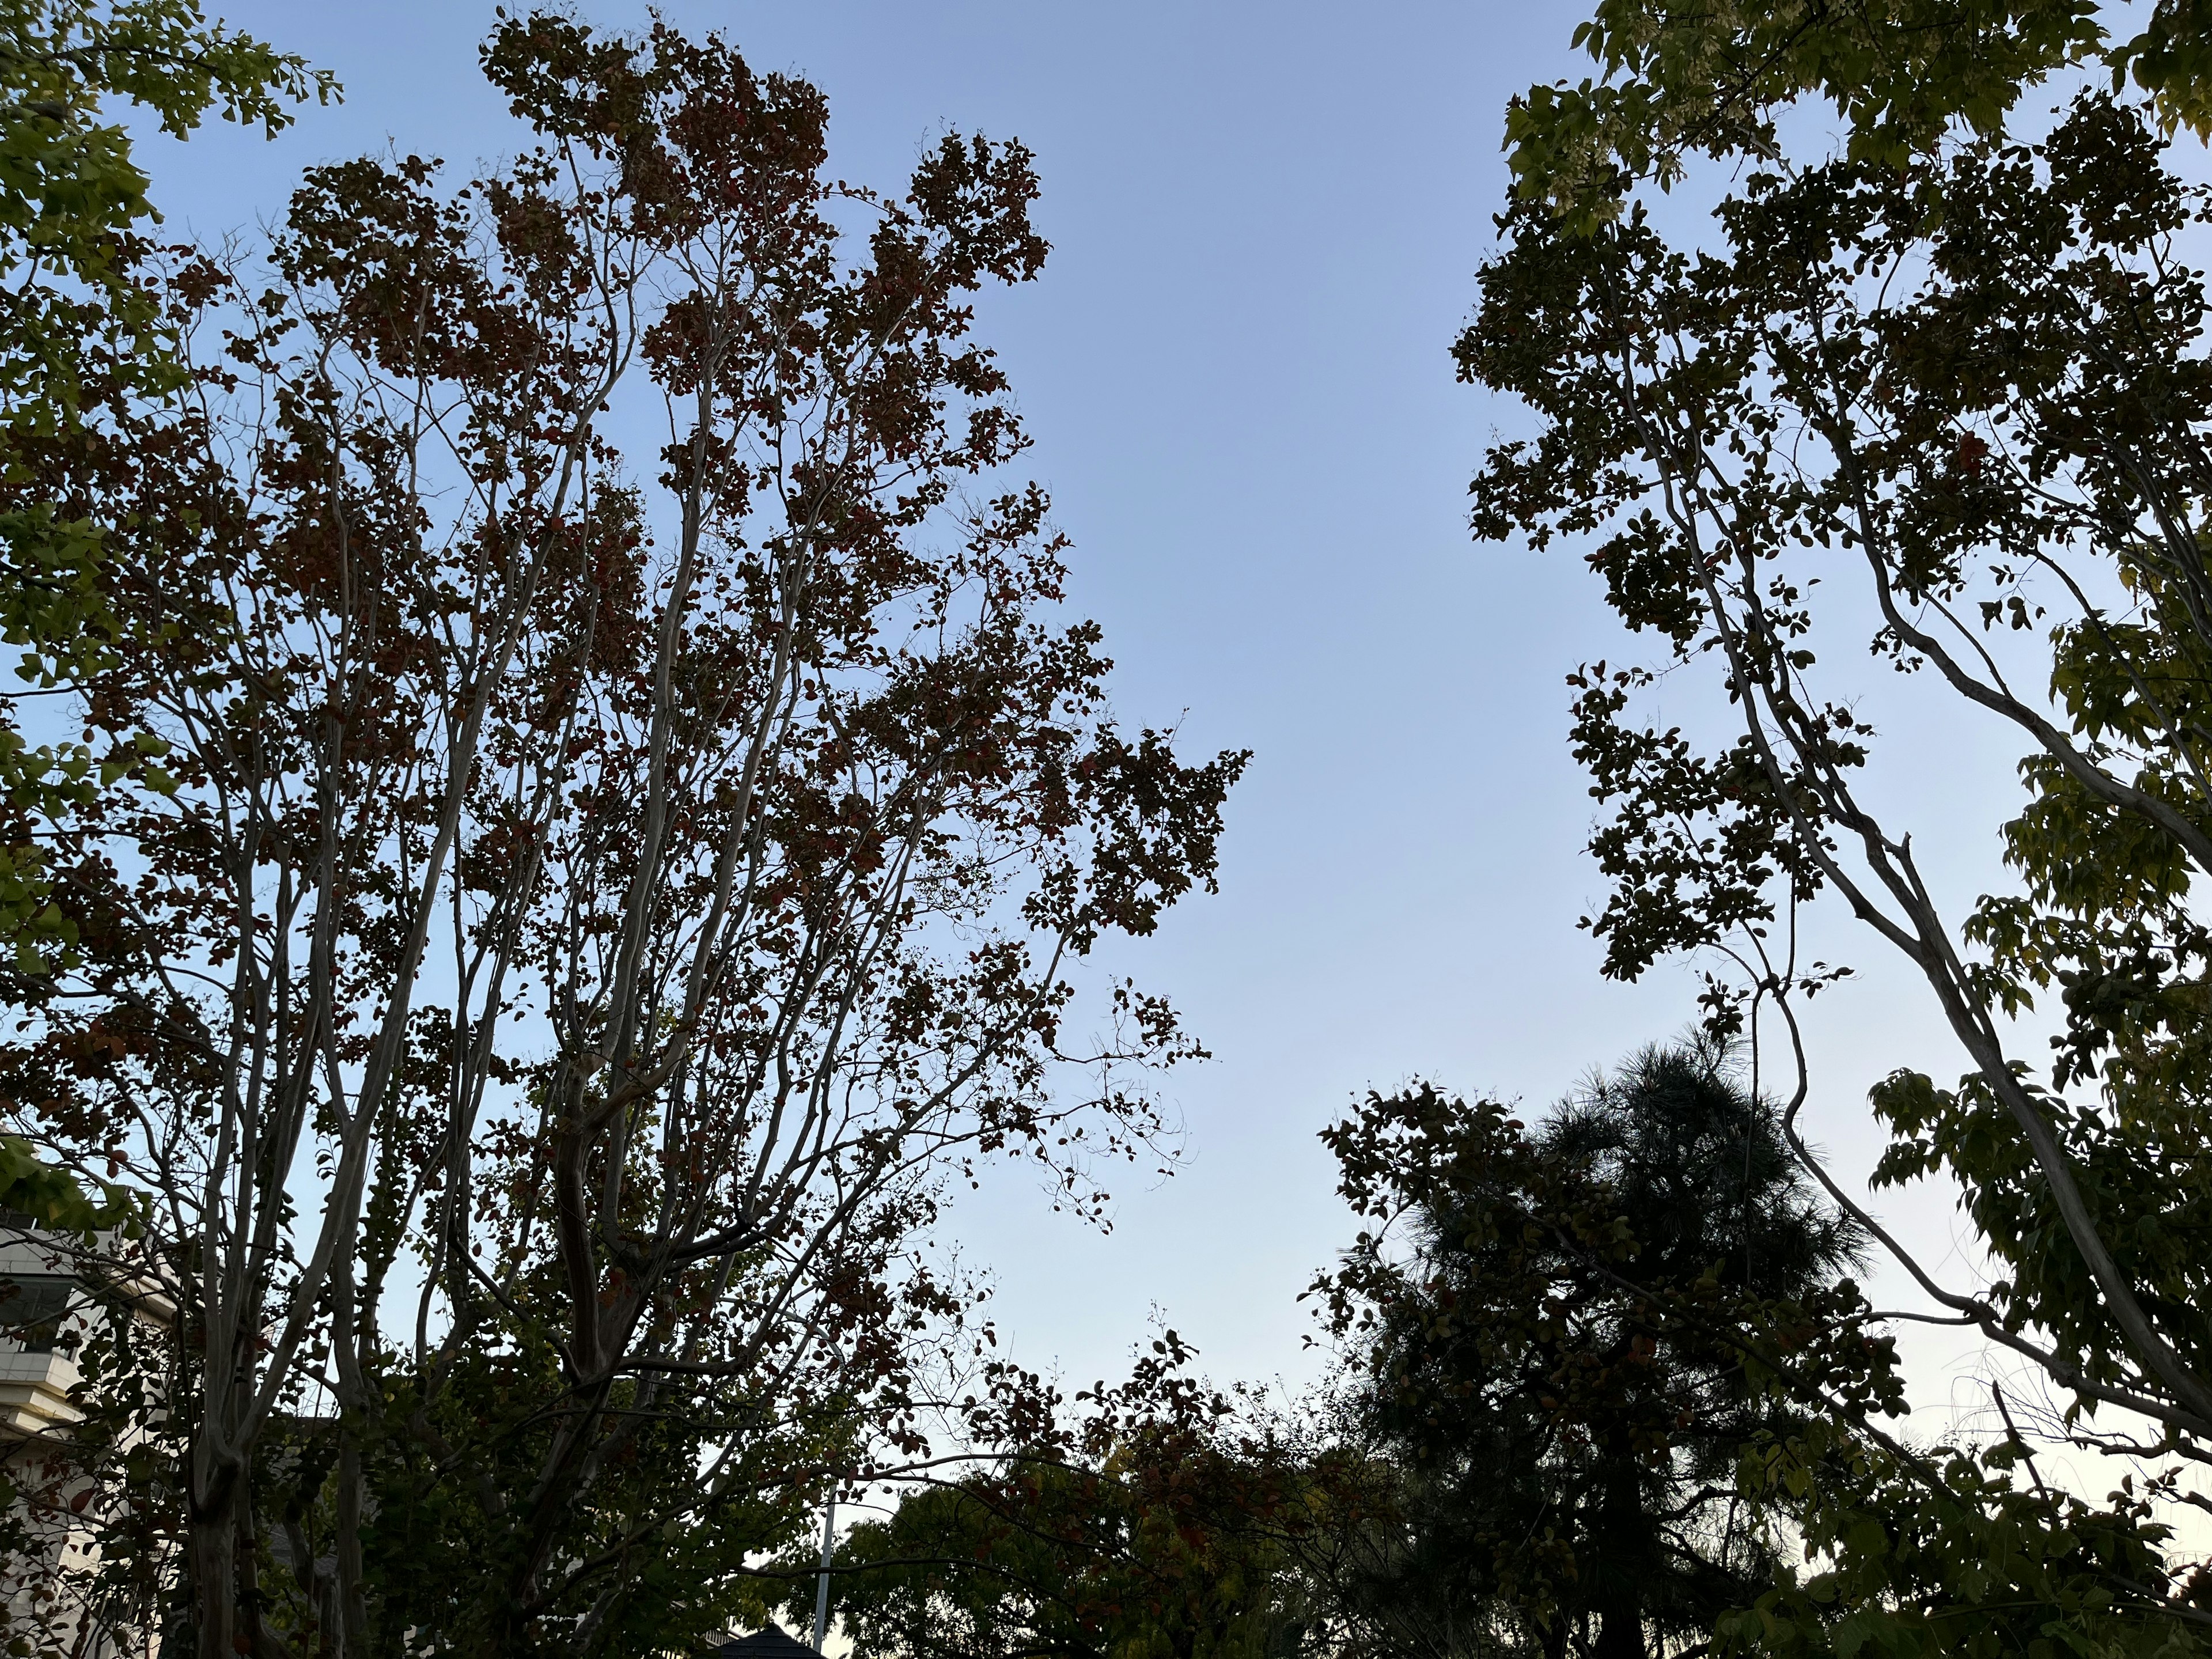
(61, 1504)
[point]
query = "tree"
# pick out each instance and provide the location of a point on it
(436, 1551)
(74, 220)
(1564, 1340)
(1161, 1526)
(1971, 369)
(591, 915)
(74, 217)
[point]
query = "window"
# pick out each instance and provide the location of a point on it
(32, 1307)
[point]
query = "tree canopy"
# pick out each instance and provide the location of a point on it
(1565, 1337)
(80, 324)
(1163, 1524)
(590, 909)
(1680, 78)
(1932, 401)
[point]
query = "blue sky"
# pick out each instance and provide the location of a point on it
(1266, 221)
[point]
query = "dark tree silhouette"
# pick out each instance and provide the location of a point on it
(1560, 1340)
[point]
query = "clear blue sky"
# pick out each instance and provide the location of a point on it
(1266, 220)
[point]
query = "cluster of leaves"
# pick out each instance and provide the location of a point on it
(437, 1540)
(1160, 1527)
(82, 323)
(1947, 1550)
(1678, 78)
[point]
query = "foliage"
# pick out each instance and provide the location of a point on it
(50, 1198)
(74, 222)
(1946, 393)
(593, 913)
(438, 1553)
(1592, 1323)
(1681, 78)
(1944, 1551)
(1160, 1527)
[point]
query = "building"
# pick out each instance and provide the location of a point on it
(769, 1643)
(58, 1507)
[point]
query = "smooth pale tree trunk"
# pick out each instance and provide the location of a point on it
(216, 1495)
(223, 1563)
(214, 1580)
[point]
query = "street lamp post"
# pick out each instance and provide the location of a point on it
(822, 1585)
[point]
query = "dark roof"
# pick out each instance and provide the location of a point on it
(769, 1643)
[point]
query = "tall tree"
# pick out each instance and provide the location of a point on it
(1563, 1340)
(77, 322)
(75, 222)
(1943, 392)
(594, 912)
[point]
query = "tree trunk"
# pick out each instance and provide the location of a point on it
(351, 1636)
(215, 1578)
(1620, 1626)
(1617, 1563)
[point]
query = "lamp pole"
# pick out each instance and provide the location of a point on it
(822, 1584)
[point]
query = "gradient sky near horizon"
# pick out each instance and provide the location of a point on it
(1266, 221)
